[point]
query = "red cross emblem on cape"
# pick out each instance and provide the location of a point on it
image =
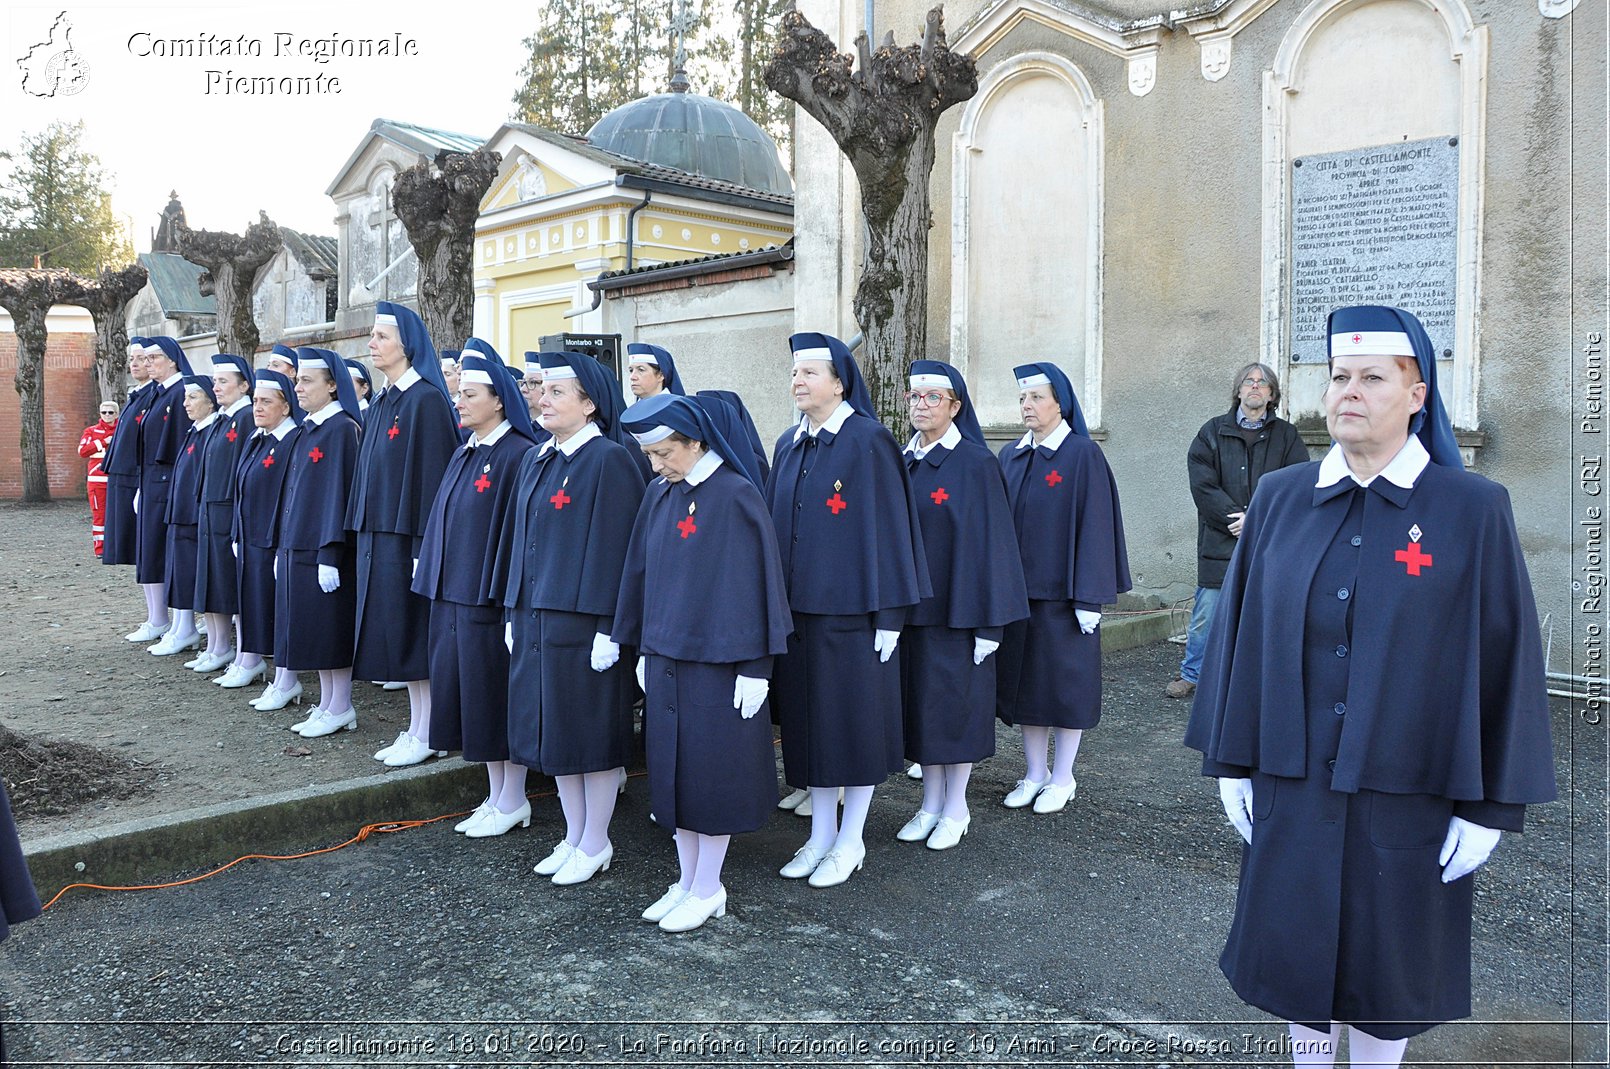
(315, 454)
(837, 503)
(940, 496)
(483, 483)
(394, 431)
(1053, 478)
(268, 461)
(232, 434)
(1411, 556)
(561, 499)
(139, 417)
(191, 448)
(687, 526)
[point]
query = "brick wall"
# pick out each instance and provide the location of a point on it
(72, 402)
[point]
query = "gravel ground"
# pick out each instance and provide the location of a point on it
(1088, 937)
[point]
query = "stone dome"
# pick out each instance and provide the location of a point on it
(697, 134)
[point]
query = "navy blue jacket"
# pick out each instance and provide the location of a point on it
(458, 555)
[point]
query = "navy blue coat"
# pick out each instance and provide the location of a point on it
(122, 467)
(162, 434)
(184, 513)
(18, 899)
(260, 478)
(216, 589)
(313, 629)
(702, 597)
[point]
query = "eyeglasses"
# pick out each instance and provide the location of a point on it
(530, 384)
(1257, 384)
(930, 399)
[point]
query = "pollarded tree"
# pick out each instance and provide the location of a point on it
(107, 297)
(438, 204)
(883, 118)
(232, 262)
(28, 296)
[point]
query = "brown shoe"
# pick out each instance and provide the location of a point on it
(1180, 688)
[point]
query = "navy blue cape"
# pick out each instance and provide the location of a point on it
(973, 561)
(458, 558)
(409, 435)
(1070, 530)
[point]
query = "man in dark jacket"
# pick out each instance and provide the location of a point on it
(1230, 454)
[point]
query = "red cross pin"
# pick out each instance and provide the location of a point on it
(837, 503)
(482, 484)
(1357, 338)
(191, 448)
(315, 454)
(268, 461)
(1054, 478)
(139, 417)
(1410, 556)
(561, 499)
(231, 434)
(393, 432)
(940, 496)
(687, 526)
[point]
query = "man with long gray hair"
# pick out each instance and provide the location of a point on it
(1230, 454)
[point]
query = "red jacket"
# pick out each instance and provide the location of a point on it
(92, 446)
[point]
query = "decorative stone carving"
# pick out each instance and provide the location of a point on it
(1142, 73)
(1215, 58)
(531, 183)
(1556, 9)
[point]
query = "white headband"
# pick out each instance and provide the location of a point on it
(1371, 343)
(1040, 379)
(642, 358)
(268, 384)
(136, 350)
(154, 350)
(658, 434)
(196, 386)
(385, 319)
(554, 374)
(820, 353)
(475, 375)
(941, 381)
(356, 374)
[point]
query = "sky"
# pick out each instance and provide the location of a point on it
(159, 122)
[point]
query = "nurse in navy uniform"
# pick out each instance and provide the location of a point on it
(363, 387)
(314, 600)
(563, 546)
(18, 900)
(254, 531)
(411, 432)
(469, 664)
(161, 435)
(743, 434)
(702, 599)
(184, 508)
(851, 547)
(283, 358)
(122, 467)
(1373, 705)
(1070, 533)
(216, 593)
(948, 680)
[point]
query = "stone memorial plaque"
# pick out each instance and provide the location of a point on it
(1375, 226)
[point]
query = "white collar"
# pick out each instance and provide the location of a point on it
(318, 418)
(171, 379)
(237, 404)
(1402, 470)
(406, 379)
(491, 438)
(1053, 441)
(703, 468)
(208, 422)
(949, 440)
(575, 441)
(833, 423)
(287, 425)
(363, 404)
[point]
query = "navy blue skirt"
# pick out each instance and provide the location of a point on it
(393, 634)
(179, 572)
(839, 706)
(18, 900)
(564, 718)
(469, 681)
(121, 524)
(254, 579)
(151, 524)
(709, 770)
(216, 589)
(1049, 672)
(312, 629)
(949, 701)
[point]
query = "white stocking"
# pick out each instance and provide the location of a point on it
(956, 777)
(511, 796)
(419, 709)
(857, 800)
(1310, 1047)
(1364, 1049)
(824, 818)
(1067, 750)
(712, 855)
(601, 790)
(1036, 743)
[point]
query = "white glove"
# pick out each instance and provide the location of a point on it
(508, 636)
(642, 674)
(136, 502)
(414, 572)
(1236, 794)
(749, 694)
(983, 647)
(275, 567)
(234, 547)
(883, 644)
(1087, 620)
(329, 578)
(1466, 847)
(606, 651)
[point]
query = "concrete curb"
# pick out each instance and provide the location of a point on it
(292, 822)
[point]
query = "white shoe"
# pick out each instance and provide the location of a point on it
(496, 822)
(328, 723)
(312, 714)
(147, 632)
(837, 866)
(238, 677)
(803, 863)
(556, 860)
(393, 685)
(197, 659)
(672, 898)
(580, 867)
(170, 644)
(948, 832)
(918, 827)
(914, 772)
(1052, 798)
(411, 751)
(480, 811)
(391, 748)
(211, 662)
(793, 800)
(1024, 793)
(621, 787)
(273, 698)
(692, 912)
